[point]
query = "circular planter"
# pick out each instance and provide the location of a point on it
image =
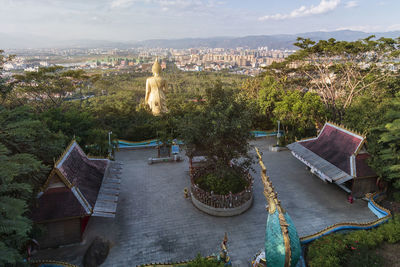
(221, 205)
(222, 212)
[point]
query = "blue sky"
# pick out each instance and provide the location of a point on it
(131, 20)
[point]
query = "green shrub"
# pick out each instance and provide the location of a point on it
(223, 183)
(362, 256)
(355, 248)
(391, 230)
(323, 252)
(200, 261)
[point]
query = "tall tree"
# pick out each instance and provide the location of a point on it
(220, 129)
(5, 84)
(299, 113)
(385, 145)
(22, 133)
(15, 191)
(339, 71)
(47, 88)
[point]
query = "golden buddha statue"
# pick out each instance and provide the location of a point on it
(156, 87)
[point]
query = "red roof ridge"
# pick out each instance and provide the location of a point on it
(64, 154)
(342, 127)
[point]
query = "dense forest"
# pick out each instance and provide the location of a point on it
(352, 83)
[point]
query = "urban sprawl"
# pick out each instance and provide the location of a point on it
(239, 60)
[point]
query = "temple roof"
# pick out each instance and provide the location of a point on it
(84, 173)
(73, 187)
(334, 155)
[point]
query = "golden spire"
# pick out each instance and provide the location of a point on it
(156, 69)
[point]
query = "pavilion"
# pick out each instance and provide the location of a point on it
(77, 188)
(337, 155)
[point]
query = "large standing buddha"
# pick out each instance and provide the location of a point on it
(156, 88)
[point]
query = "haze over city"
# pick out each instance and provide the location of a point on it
(134, 20)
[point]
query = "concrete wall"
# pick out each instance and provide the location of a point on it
(361, 186)
(61, 233)
(221, 212)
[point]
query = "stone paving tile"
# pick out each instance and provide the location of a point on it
(155, 223)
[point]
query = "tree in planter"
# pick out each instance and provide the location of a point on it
(220, 130)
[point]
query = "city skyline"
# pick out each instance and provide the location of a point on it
(135, 20)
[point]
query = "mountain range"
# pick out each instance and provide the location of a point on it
(279, 41)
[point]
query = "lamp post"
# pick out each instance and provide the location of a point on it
(278, 135)
(109, 138)
(110, 150)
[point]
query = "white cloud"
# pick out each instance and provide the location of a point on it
(351, 4)
(170, 4)
(323, 7)
(363, 28)
(394, 27)
(121, 3)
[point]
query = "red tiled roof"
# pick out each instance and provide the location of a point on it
(85, 174)
(335, 145)
(57, 203)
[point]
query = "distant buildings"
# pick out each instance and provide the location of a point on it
(239, 60)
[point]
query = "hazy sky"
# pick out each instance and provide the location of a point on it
(123, 20)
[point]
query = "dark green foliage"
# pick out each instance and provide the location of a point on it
(270, 93)
(338, 71)
(75, 122)
(385, 144)
(231, 181)
(297, 111)
(200, 261)
(366, 113)
(122, 114)
(26, 146)
(5, 84)
(47, 88)
(357, 246)
(21, 132)
(220, 130)
(300, 113)
(15, 190)
(362, 256)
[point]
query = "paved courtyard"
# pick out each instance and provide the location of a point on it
(155, 223)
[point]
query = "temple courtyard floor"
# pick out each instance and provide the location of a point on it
(155, 223)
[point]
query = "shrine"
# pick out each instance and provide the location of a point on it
(77, 188)
(337, 155)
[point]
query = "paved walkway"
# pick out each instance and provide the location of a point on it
(155, 223)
